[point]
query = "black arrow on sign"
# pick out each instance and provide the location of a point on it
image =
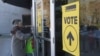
(70, 38)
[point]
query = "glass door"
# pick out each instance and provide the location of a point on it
(44, 26)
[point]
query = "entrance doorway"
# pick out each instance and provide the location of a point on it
(26, 20)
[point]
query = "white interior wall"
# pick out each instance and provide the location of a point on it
(7, 14)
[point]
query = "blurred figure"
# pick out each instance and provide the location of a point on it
(29, 47)
(18, 38)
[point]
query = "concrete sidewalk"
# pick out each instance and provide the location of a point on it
(5, 46)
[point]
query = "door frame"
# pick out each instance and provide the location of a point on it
(52, 27)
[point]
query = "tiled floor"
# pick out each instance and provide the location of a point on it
(5, 46)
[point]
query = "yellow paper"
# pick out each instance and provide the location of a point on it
(70, 28)
(39, 17)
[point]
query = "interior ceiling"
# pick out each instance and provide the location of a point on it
(20, 3)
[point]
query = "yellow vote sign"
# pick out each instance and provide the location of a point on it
(70, 28)
(39, 17)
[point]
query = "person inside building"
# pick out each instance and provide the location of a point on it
(18, 38)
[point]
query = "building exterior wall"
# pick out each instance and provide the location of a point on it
(90, 12)
(46, 12)
(7, 14)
